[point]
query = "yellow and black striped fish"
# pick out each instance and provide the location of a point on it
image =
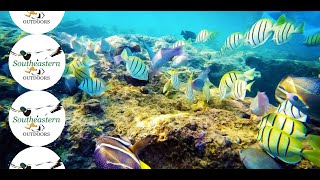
(93, 86)
(76, 63)
(312, 40)
(119, 153)
(189, 89)
(278, 143)
(206, 91)
(181, 43)
(174, 79)
(288, 109)
(239, 89)
(285, 123)
(283, 33)
(81, 73)
(261, 31)
(167, 86)
(291, 126)
(229, 78)
(204, 36)
(137, 68)
(233, 42)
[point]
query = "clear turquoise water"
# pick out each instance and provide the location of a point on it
(165, 23)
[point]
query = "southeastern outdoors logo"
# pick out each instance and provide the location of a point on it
(35, 70)
(36, 62)
(33, 121)
(36, 118)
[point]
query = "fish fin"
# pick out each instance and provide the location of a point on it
(124, 54)
(300, 28)
(138, 146)
(312, 156)
(248, 87)
(249, 74)
(191, 76)
(291, 159)
(281, 20)
(167, 86)
(189, 41)
(245, 40)
(149, 50)
(314, 141)
(88, 62)
(144, 165)
(108, 87)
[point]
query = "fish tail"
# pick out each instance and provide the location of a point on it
(109, 87)
(312, 156)
(281, 20)
(249, 74)
(314, 141)
(300, 28)
(138, 146)
(248, 87)
(144, 165)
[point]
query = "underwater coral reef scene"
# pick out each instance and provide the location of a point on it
(171, 90)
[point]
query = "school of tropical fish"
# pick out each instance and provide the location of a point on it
(283, 136)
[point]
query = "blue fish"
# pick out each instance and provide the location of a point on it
(198, 83)
(149, 50)
(94, 86)
(162, 57)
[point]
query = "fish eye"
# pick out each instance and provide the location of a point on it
(295, 98)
